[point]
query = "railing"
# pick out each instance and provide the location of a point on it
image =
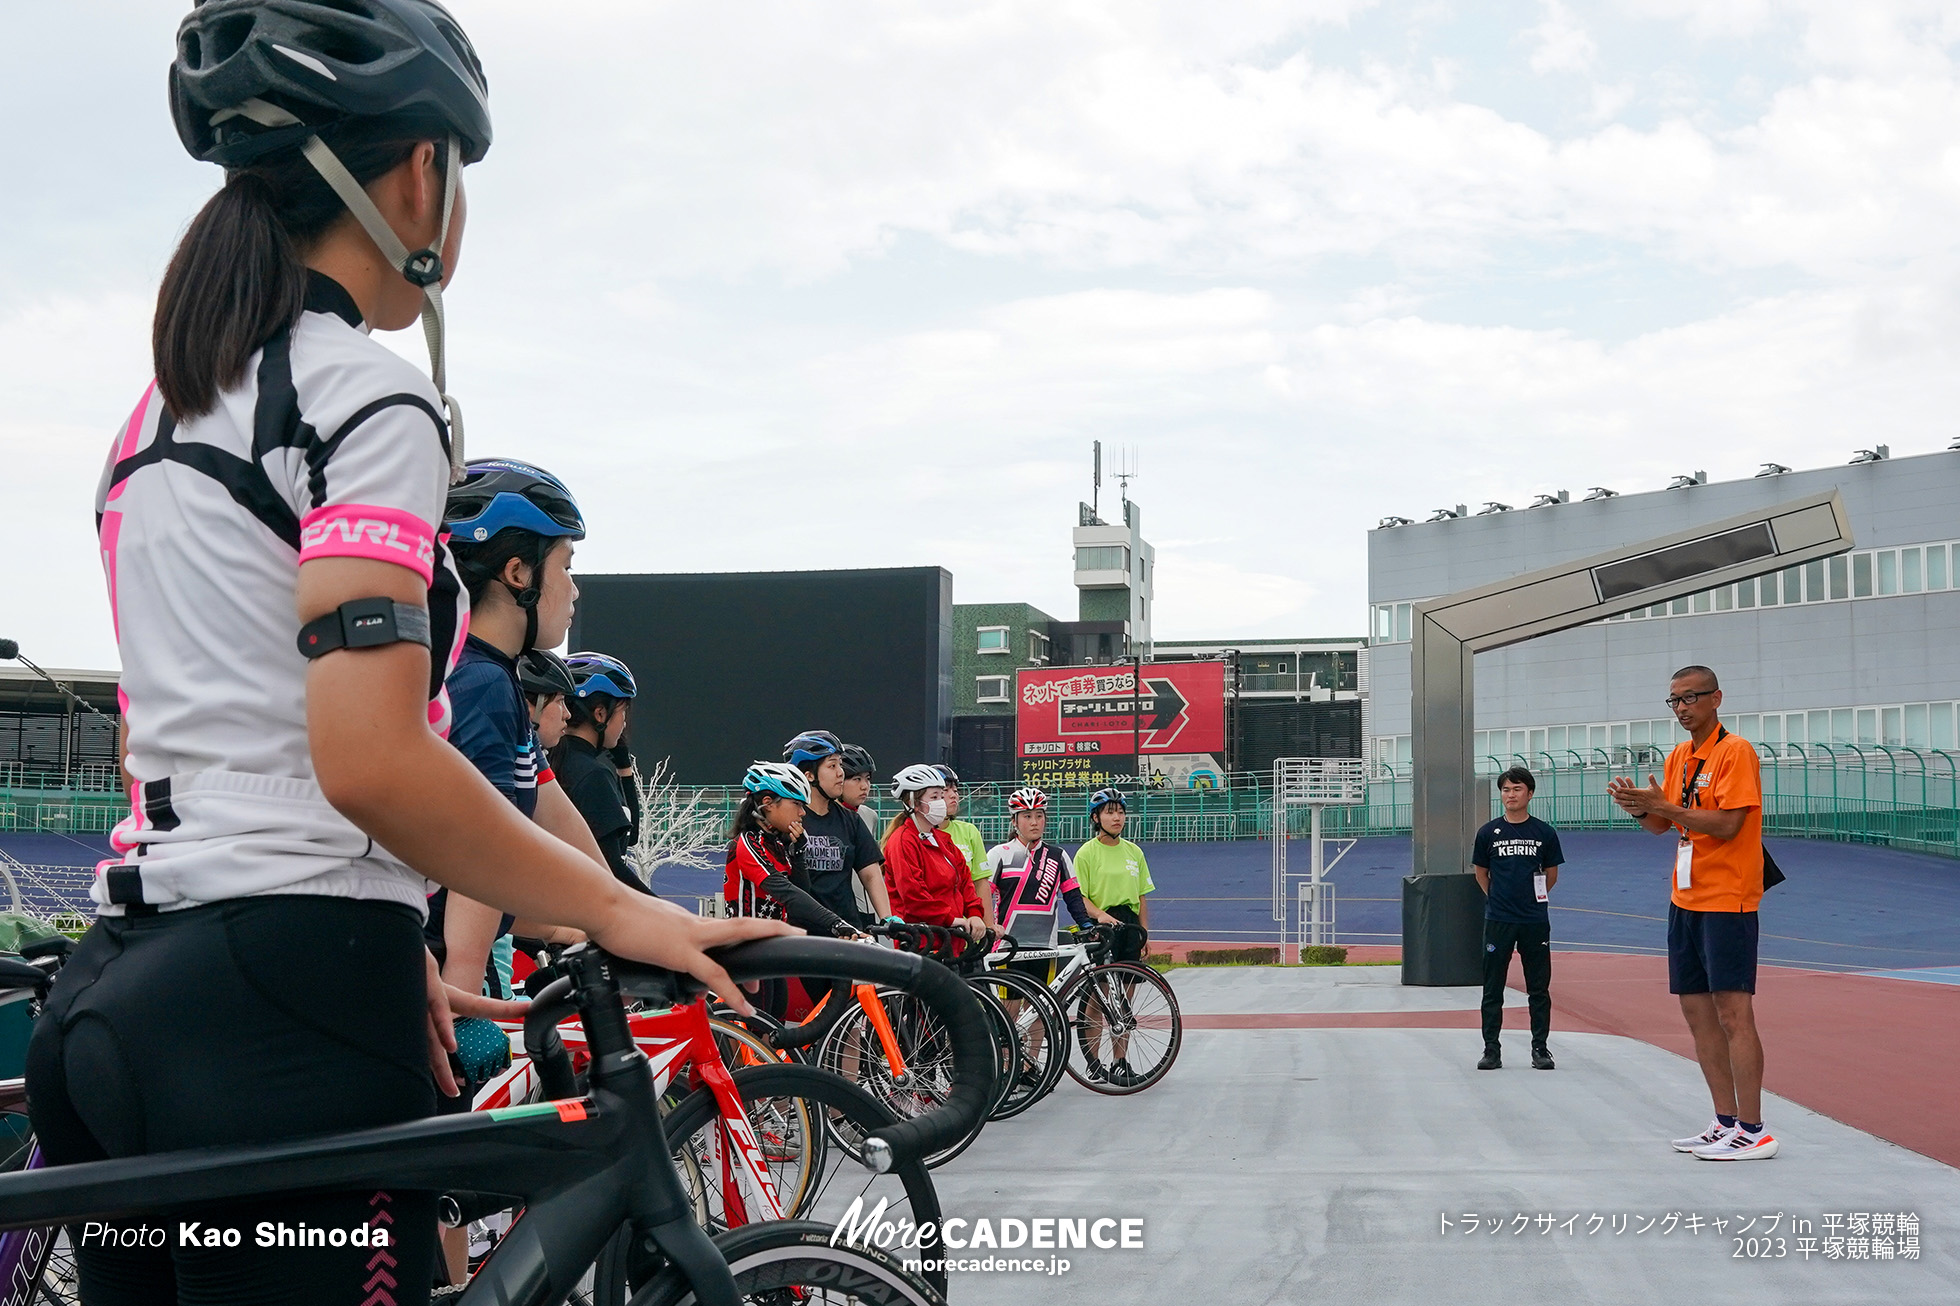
(1904, 797)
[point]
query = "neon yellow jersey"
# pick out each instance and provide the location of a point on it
(966, 837)
(1113, 875)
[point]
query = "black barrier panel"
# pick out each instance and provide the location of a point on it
(730, 665)
(1684, 561)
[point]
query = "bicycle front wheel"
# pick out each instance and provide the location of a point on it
(793, 1261)
(1125, 1021)
(921, 1080)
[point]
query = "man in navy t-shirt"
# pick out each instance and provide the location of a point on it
(1517, 859)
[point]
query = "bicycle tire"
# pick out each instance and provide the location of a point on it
(55, 1278)
(785, 1260)
(1093, 1008)
(1035, 1016)
(829, 1093)
(928, 1068)
(741, 1046)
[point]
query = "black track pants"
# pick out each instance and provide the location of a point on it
(241, 1022)
(1533, 944)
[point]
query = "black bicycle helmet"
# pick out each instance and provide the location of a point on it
(952, 776)
(325, 62)
(540, 671)
(857, 761)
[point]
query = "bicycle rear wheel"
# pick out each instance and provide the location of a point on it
(792, 1261)
(1127, 1011)
(1039, 1037)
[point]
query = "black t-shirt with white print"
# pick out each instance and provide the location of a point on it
(1514, 854)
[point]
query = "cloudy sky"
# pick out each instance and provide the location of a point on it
(782, 285)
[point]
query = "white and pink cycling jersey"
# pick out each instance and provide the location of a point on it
(332, 446)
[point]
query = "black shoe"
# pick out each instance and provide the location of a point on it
(1120, 1073)
(1493, 1059)
(1541, 1058)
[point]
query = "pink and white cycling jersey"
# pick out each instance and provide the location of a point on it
(332, 446)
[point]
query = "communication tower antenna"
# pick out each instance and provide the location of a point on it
(1095, 495)
(1131, 460)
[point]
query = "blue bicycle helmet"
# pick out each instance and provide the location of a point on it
(595, 673)
(778, 778)
(498, 494)
(811, 746)
(1103, 798)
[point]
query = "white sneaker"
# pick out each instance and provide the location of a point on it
(1740, 1145)
(1715, 1133)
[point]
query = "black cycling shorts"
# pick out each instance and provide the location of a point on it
(241, 1022)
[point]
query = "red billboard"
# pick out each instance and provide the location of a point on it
(1079, 726)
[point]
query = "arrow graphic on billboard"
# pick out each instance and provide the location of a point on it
(1158, 715)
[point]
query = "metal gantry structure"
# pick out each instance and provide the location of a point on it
(1315, 783)
(1441, 920)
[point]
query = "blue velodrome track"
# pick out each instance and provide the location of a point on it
(1844, 907)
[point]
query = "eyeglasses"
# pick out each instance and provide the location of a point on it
(1687, 700)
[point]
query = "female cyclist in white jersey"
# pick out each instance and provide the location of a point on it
(285, 612)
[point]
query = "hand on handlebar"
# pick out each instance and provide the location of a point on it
(661, 934)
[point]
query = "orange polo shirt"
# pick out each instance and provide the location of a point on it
(1727, 874)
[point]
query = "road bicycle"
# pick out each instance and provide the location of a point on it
(582, 1167)
(746, 1130)
(1115, 1011)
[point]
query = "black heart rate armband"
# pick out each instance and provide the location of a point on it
(364, 623)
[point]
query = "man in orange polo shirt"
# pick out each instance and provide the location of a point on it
(1711, 800)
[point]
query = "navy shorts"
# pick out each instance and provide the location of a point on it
(1710, 951)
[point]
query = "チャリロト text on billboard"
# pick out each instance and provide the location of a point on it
(1082, 727)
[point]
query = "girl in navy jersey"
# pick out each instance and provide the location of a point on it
(286, 610)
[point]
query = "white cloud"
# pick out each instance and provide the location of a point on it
(736, 270)
(1560, 43)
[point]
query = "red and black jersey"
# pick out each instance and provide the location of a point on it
(765, 879)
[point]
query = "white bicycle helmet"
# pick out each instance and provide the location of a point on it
(1027, 799)
(913, 778)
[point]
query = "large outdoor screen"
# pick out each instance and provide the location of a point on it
(731, 664)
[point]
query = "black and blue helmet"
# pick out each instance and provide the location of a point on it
(499, 494)
(812, 746)
(595, 673)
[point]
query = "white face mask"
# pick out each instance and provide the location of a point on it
(935, 811)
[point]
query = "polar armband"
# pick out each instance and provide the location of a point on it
(364, 623)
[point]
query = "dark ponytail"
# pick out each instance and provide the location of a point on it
(238, 277)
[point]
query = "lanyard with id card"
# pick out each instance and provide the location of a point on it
(1684, 852)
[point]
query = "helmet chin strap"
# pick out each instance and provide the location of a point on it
(423, 268)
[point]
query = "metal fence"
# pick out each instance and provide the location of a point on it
(1905, 798)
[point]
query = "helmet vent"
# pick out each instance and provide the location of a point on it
(223, 40)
